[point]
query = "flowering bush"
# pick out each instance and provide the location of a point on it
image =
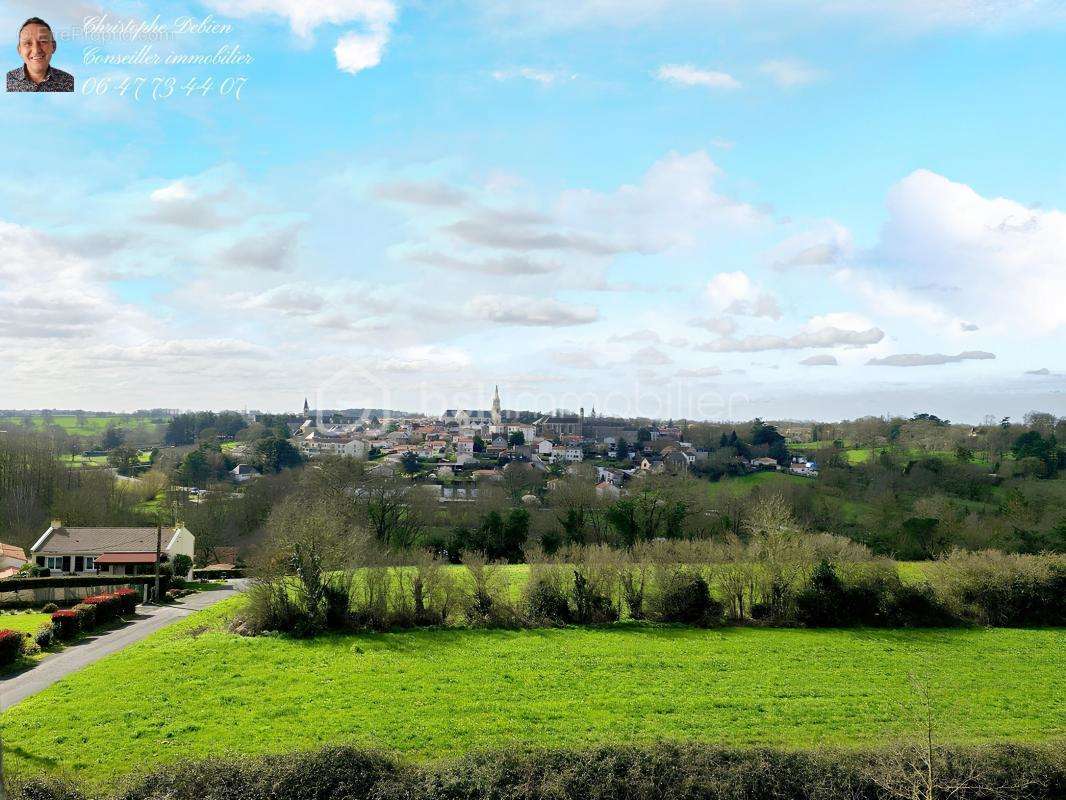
(128, 599)
(108, 607)
(10, 646)
(86, 616)
(66, 624)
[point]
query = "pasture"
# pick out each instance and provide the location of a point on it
(195, 689)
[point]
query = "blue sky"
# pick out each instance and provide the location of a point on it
(668, 207)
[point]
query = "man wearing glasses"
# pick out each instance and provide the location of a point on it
(37, 45)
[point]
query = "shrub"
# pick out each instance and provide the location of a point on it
(486, 605)
(86, 616)
(268, 607)
(44, 636)
(181, 566)
(683, 596)
(822, 602)
(50, 608)
(591, 605)
(10, 646)
(127, 601)
(108, 607)
(915, 607)
(996, 589)
(337, 595)
(66, 624)
(546, 603)
(632, 582)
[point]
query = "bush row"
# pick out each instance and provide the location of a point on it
(94, 610)
(597, 584)
(666, 771)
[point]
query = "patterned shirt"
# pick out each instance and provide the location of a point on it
(18, 80)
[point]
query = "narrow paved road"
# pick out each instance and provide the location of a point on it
(58, 665)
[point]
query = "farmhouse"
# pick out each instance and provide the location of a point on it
(108, 551)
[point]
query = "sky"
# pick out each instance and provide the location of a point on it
(702, 209)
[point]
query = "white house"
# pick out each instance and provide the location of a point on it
(243, 473)
(109, 551)
(569, 454)
(319, 443)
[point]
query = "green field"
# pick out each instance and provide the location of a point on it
(87, 425)
(743, 485)
(25, 621)
(195, 690)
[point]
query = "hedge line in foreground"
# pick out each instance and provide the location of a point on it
(667, 771)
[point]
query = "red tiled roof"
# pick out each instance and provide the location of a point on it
(10, 551)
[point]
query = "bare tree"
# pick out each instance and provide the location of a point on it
(923, 768)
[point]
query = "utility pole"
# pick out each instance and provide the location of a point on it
(158, 549)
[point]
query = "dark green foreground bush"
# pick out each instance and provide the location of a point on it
(667, 771)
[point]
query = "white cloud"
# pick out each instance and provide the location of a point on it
(47, 292)
(355, 50)
(699, 372)
(650, 357)
(503, 265)
(688, 75)
(790, 72)
(824, 337)
(542, 76)
(421, 193)
(723, 326)
(532, 311)
(819, 361)
(736, 293)
(645, 335)
(997, 255)
(825, 244)
(289, 299)
(844, 320)
(931, 360)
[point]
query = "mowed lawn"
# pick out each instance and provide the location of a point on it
(194, 690)
(23, 621)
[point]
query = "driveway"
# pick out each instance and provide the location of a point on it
(149, 620)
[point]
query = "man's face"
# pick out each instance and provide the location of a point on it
(36, 46)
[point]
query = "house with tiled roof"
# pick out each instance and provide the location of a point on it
(11, 559)
(108, 551)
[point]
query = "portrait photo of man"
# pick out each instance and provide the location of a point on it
(37, 45)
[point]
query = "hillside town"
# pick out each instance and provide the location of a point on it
(476, 444)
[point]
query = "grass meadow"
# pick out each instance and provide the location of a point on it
(195, 690)
(22, 621)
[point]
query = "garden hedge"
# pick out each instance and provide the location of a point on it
(72, 581)
(662, 771)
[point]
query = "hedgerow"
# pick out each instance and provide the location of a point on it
(663, 771)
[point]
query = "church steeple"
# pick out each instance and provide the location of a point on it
(496, 414)
(307, 408)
